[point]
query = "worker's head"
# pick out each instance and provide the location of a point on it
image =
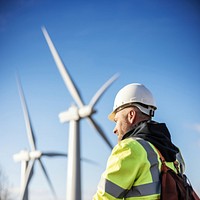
(133, 103)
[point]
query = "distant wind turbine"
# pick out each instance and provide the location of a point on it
(28, 158)
(73, 115)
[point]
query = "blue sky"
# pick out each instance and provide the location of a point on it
(152, 42)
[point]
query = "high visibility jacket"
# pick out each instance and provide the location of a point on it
(132, 172)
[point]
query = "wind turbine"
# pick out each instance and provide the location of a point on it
(73, 115)
(28, 158)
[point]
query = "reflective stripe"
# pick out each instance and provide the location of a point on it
(112, 189)
(152, 158)
(136, 191)
(144, 190)
(150, 188)
(140, 190)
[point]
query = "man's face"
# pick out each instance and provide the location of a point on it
(123, 120)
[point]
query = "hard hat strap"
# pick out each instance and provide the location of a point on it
(151, 113)
(148, 110)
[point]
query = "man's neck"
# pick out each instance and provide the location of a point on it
(133, 128)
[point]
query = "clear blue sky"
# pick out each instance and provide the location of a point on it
(156, 43)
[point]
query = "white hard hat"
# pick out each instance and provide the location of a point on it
(134, 94)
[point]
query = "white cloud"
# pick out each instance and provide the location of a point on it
(196, 127)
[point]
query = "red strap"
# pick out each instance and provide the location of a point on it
(176, 164)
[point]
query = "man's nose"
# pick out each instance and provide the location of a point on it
(115, 130)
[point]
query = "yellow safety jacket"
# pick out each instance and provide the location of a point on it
(132, 172)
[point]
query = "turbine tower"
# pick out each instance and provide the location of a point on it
(28, 158)
(73, 115)
(24, 158)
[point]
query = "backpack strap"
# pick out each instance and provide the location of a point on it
(163, 161)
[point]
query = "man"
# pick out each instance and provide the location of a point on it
(133, 168)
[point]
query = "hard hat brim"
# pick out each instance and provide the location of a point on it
(111, 116)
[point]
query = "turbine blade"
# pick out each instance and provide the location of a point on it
(63, 70)
(28, 175)
(47, 177)
(29, 129)
(98, 94)
(100, 131)
(52, 154)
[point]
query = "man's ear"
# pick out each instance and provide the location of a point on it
(132, 116)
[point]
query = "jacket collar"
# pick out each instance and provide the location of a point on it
(158, 135)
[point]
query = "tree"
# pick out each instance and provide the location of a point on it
(4, 185)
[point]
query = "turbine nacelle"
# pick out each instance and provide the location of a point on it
(70, 114)
(26, 155)
(75, 113)
(21, 156)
